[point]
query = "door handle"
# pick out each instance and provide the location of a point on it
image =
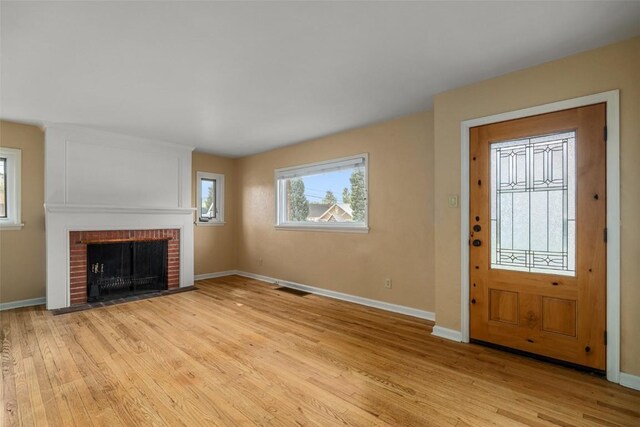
(477, 242)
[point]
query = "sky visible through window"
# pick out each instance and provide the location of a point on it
(316, 186)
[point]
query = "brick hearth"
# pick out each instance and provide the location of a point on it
(78, 255)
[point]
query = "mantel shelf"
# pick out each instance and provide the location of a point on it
(66, 208)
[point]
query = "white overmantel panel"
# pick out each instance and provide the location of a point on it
(98, 180)
(89, 167)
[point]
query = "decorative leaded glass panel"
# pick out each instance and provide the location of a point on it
(533, 204)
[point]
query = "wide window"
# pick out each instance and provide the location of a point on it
(10, 159)
(210, 198)
(330, 195)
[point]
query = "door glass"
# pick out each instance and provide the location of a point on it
(533, 204)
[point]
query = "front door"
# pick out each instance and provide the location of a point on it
(537, 241)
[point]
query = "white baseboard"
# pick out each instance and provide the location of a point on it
(214, 275)
(448, 334)
(629, 380)
(22, 303)
(414, 312)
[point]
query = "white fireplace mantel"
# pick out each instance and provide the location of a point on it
(97, 180)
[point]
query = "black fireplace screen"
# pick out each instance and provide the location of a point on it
(116, 270)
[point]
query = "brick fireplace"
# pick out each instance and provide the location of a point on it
(78, 241)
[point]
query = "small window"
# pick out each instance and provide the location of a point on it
(210, 198)
(3, 187)
(10, 162)
(329, 195)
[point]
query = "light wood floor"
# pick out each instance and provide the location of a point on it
(238, 352)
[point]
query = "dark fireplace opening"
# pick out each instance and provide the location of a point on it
(116, 270)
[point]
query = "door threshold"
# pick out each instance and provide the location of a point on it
(581, 368)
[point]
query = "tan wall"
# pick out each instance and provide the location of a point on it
(22, 252)
(215, 246)
(400, 243)
(612, 67)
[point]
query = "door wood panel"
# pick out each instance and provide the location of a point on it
(559, 316)
(503, 306)
(554, 313)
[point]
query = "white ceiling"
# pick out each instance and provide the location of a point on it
(239, 78)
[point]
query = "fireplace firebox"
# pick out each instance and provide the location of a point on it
(116, 270)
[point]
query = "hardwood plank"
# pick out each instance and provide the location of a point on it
(16, 335)
(236, 352)
(9, 400)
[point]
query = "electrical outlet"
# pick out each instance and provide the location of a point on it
(387, 283)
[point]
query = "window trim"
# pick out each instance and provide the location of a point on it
(307, 169)
(13, 177)
(219, 180)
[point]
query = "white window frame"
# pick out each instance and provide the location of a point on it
(311, 168)
(219, 180)
(13, 176)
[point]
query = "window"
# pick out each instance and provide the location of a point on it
(210, 198)
(10, 159)
(330, 195)
(3, 188)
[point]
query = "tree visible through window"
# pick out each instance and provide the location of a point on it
(298, 203)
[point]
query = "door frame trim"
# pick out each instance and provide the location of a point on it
(612, 99)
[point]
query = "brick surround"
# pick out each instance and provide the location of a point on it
(78, 255)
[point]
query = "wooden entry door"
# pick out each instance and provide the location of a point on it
(537, 242)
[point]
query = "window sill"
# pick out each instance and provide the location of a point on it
(10, 226)
(209, 224)
(332, 229)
